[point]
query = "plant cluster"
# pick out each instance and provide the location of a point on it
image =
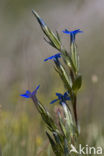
(63, 134)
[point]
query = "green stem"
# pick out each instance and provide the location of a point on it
(75, 109)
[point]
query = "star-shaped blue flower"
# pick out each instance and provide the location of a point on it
(55, 58)
(28, 94)
(72, 34)
(61, 98)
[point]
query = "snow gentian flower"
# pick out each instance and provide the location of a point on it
(61, 98)
(55, 58)
(28, 94)
(72, 34)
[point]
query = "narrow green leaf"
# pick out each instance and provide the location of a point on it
(68, 60)
(66, 80)
(58, 36)
(66, 149)
(53, 144)
(45, 115)
(59, 142)
(62, 125)
(77, 83)
(55, 42)
(75, 57)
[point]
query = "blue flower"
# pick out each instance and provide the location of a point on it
(61, 98)
(72, 34)
(54, 57)
(28, 94)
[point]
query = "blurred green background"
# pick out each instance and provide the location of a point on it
(22, 51)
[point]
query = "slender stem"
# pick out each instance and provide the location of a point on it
(75, 110)
(72, 75)
(74, 101)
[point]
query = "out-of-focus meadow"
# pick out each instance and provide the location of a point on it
(22, 51)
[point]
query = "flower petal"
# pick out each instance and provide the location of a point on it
(49, 58)
(56, 56)
(72, 32)
(53, 101)
(66, 94)
(77, 31)
(59, 96)
(36, 89)
(27, 94)
(66, 31)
